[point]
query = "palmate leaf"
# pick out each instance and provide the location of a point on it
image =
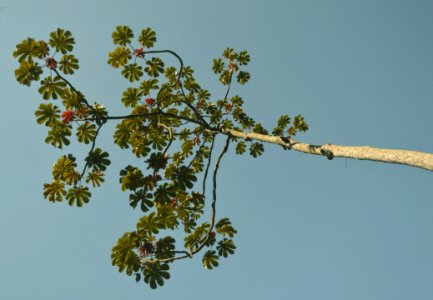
(165, 247)
(28, 72)
(300, 124)
(78, 195)
(147, 38)
(167, 218)
(123, 255)
(164, 193)
(58, 135)
(148, 85)
(210, 260)
(96, 177)
(193, 240)
(131, 96)
(132, 72)
(70, 99)
(243, 77)
(256, 149)
(224, 227)
(54, 191)
(122, 36)
(243, 58)
(52, 87)
(65, 164)
(155, 273)
(47, 114)
(184, 178)
(131, 178)
(241, 148)
(217, 66)
(119, 57)
(62, 40)
(155, 66)
(98, 159)
(68, 64)
(143, 197)
(226, 247)
(86, 132)
(28, 49)
(149, 224)
(122, 134)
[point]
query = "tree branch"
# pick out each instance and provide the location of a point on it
(417, 159)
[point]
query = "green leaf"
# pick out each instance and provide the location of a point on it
(241, 147)
(229, 53)
(210, 260)
(78, 195)
(147, 37)
(71, 100)
(164, 192)
(28, 72)
(98, 159)
(122, 36)
(65, 164)
(193, 240)
(58, 134)
(224, 227)
(132, 72)
(256, 149)
(122, 134)
(62, 40)
(157, 161)
(149, 224)
(96, 177)
(141, 196)
(155, 273)
(119, 57)
(123, 255)
(155, 66)
(165, 247)
(68, 64)
(28, 49)
(243, 58)
(86, 132)
(47, 113)
(131, 178)
(131, 96)
(184, 177)
(225, 77)
(217, 66)
(226, 247)
(52, 87)
(300, 124)
(54, 191)
(243, 77)
(148, 85)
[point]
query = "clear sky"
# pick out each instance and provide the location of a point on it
(360, 72)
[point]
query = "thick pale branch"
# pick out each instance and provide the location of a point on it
(416, 159)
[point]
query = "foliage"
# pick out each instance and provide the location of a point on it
(172, 127)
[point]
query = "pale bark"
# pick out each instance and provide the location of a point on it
(415, 159)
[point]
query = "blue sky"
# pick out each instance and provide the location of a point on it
(359, 71)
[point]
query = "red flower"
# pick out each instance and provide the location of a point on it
(196, 140)
(228, 107)
(172, 203)
(51, 63)
(139, 52)
(67, 116)
(233, 67)
(149, 101)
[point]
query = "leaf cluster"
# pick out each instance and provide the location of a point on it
(171, 127)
